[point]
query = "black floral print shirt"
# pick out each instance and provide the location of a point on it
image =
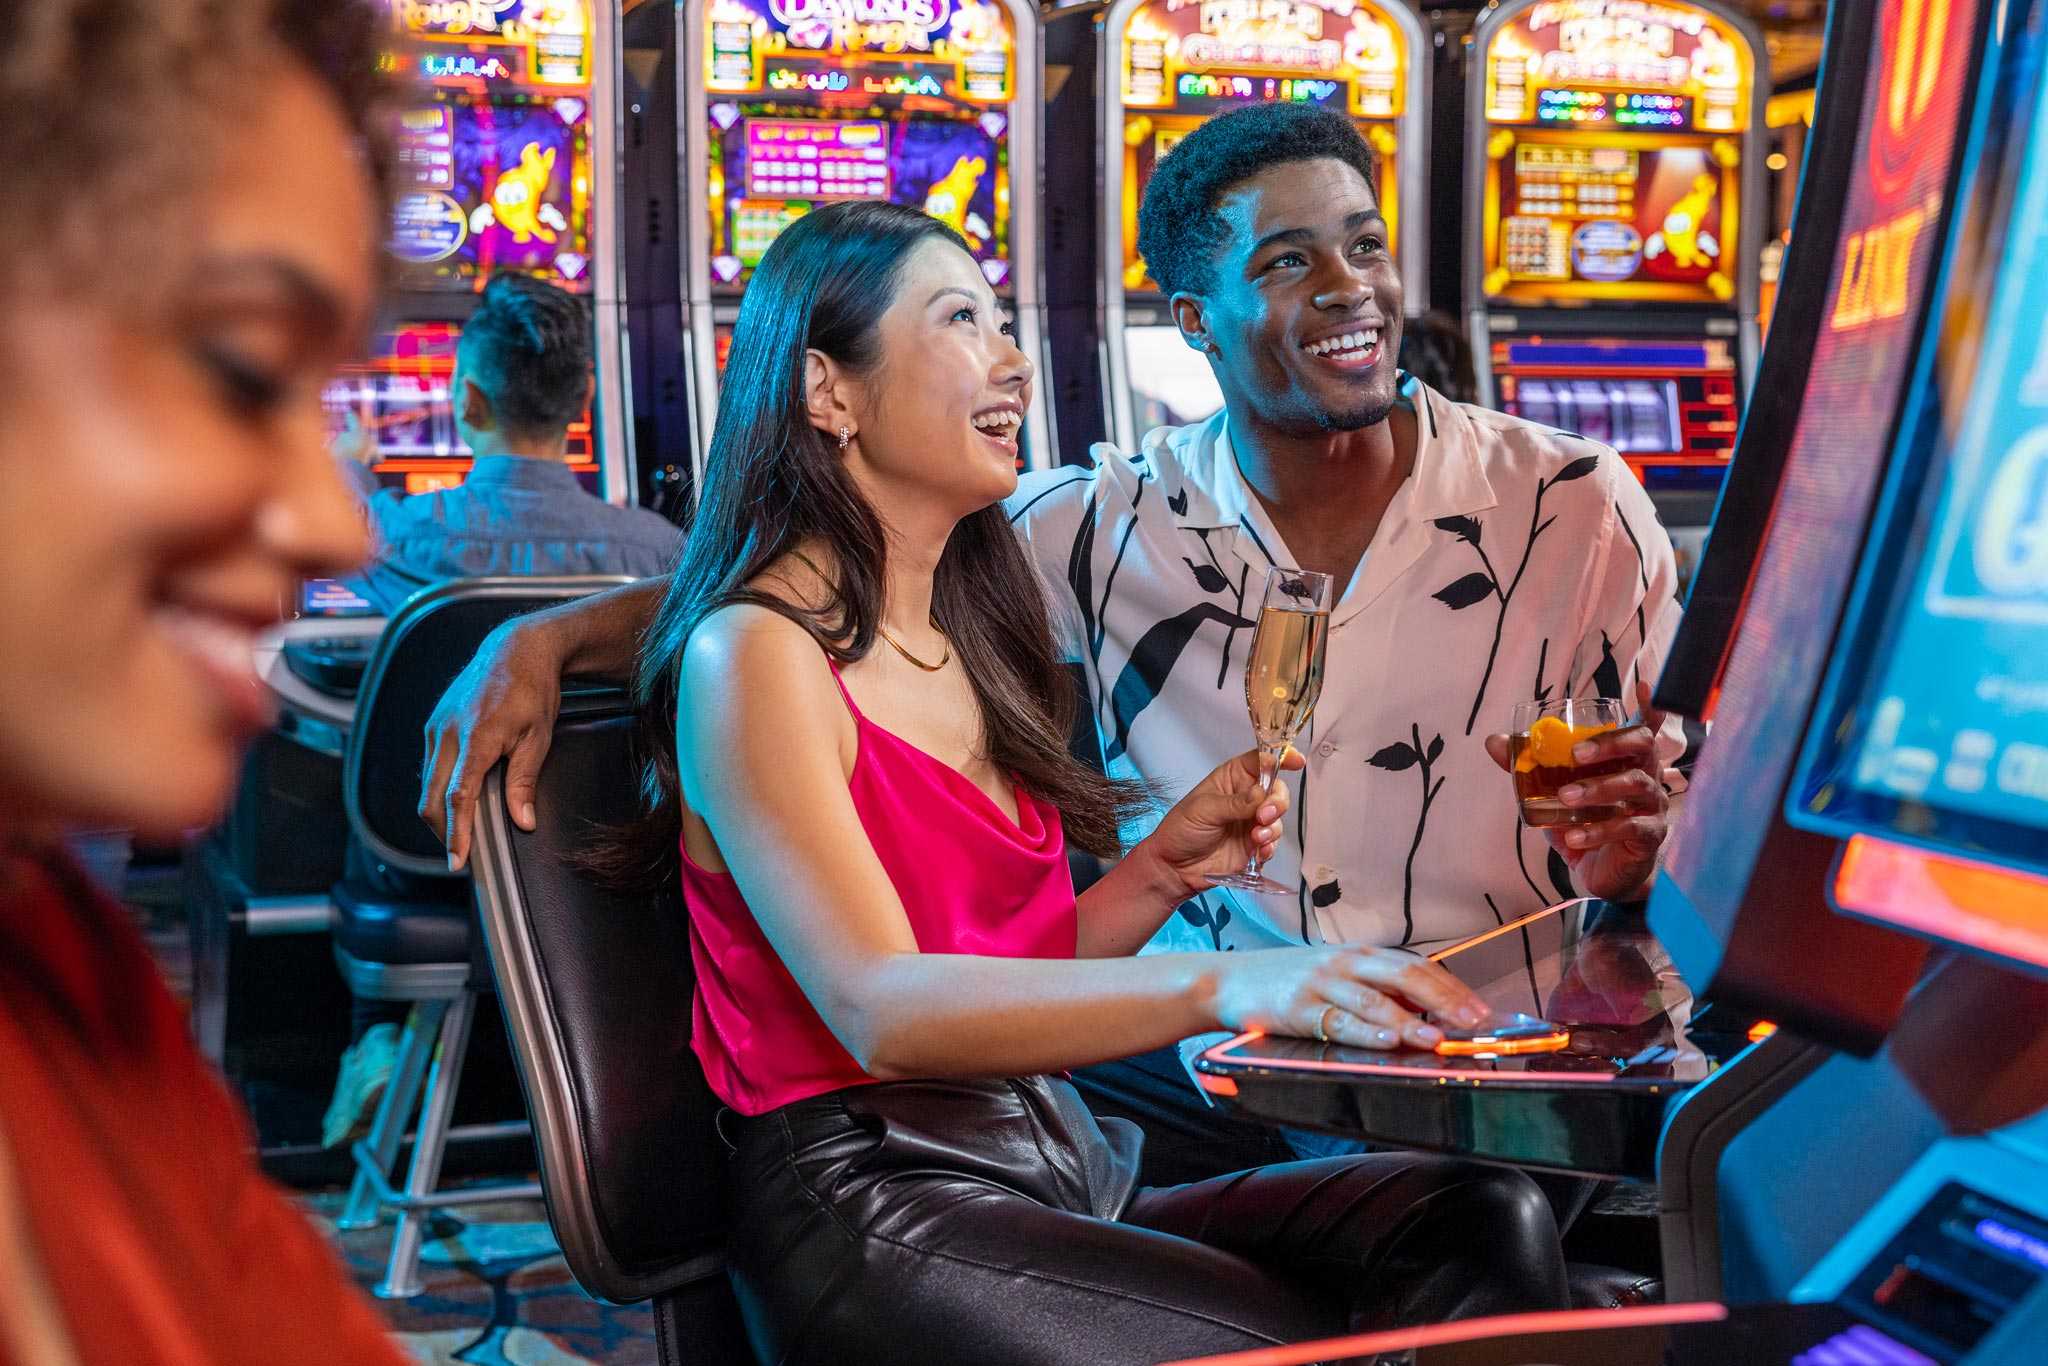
(1517, 562)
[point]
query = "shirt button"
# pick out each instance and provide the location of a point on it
(1326, 749)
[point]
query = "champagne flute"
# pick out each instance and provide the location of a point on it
(1282, 680)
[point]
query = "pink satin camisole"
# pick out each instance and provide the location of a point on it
(971, 880)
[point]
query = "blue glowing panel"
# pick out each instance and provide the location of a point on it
(1939, 734)
(1859, 379)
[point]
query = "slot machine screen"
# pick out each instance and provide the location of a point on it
(331, 598)
(908, 106)
(1934, 730)
(1653, 399)
(493, 183)
(1627, 414)
(1893, 225)
(1613, 155)
(400, 399)
(1614, 216)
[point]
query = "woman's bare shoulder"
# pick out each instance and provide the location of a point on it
(750, 641)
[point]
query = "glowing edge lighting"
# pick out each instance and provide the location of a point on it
(1468, 1330)
(1992, 909)
(1219, 1053)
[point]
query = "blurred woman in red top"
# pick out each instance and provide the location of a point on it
(191, 220)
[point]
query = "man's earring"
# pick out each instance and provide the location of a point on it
(845, 437)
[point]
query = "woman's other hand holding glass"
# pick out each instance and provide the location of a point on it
(1231, 816)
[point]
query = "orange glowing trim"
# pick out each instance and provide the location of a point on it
(1216, 1086)
(1476, 940)
(1221, 1054)
(1995, 910)
(1761, 1030)
(1467, 1330)
(1504, 1048)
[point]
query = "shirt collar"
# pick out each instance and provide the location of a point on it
(521, 471)
(1448, 479)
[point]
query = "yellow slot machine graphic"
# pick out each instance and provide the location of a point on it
(1164, 67)
(1614, 193)
(501, 149)
(792, 104)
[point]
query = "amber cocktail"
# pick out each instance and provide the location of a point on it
(1540, 753)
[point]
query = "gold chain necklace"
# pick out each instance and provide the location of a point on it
(897, 646)
(894, 643)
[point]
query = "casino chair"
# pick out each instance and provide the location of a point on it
(596, 988)
(403, 927)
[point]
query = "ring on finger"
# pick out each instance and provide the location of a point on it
(1323, 1024)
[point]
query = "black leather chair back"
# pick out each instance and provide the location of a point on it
(426, 643)
(597, 990)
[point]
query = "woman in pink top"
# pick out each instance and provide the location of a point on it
(872, 791)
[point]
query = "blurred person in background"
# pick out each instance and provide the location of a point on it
(1435, 351)
(194, 215)
(523, 375)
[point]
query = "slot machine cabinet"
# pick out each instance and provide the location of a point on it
(506, 162)
(1795, 866)
(1868, 1183)
(652, 224)
(787, 105)
(1161, 68)
(1614, 186)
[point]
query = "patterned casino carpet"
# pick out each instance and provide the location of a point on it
(497, 1292)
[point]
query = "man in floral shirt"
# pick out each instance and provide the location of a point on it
(1482, 561)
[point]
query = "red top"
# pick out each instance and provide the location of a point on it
(158, 1238)
(970, 879)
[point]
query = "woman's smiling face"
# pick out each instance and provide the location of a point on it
(942, 412)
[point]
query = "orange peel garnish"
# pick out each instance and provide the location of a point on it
(1549, 743)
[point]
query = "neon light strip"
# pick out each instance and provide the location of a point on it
(1500, 930)
(1220, 1054)
(1468, 1330)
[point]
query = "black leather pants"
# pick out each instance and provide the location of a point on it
(995, 1222)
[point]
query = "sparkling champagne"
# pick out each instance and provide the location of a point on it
(1285, 676)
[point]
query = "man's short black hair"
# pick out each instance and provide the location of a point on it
(1179, 229)
(528, 347)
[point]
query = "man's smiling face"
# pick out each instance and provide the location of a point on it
(1304, 313)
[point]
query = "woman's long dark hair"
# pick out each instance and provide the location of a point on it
(773, 482)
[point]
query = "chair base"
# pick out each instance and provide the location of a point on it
(430, 1055)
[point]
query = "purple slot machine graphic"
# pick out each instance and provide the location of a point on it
(497, 171)
(932, 104)
(495, 185)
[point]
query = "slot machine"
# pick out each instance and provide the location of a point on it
(1865, 848)
(787, 105)
(1161, 67)
(1614, 192)
(1863, 854)
(504, 164)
